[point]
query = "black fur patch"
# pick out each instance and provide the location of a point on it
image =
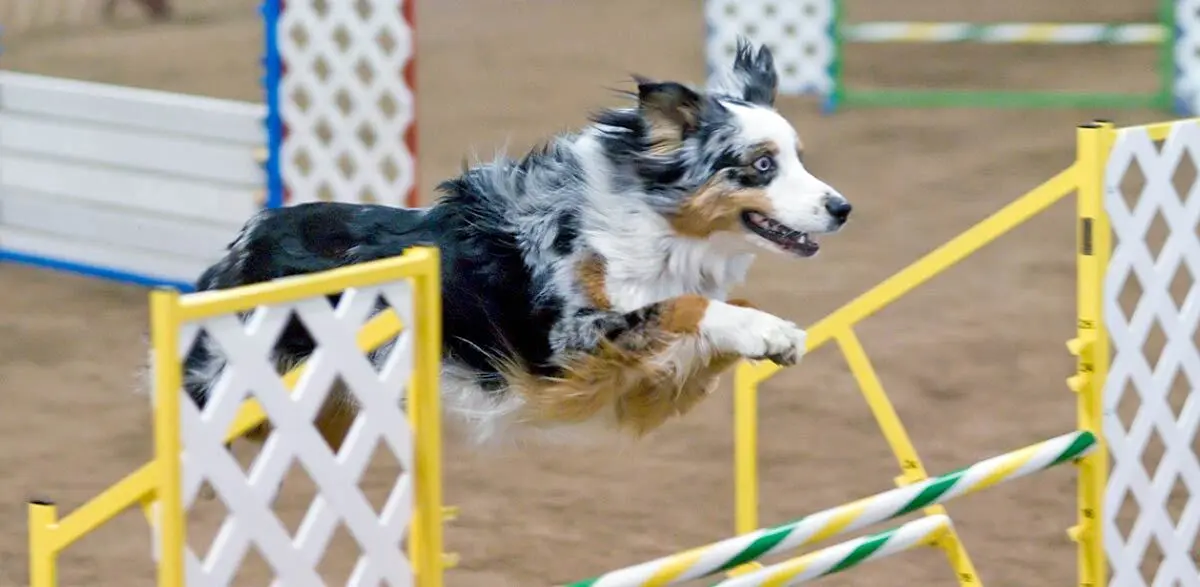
(757, 70)
(568, 232)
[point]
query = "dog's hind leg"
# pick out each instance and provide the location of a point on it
(647, 409)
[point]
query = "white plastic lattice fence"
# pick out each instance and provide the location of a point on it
(249, 496)
(345, 102)
(797, 31)
(1151, 408)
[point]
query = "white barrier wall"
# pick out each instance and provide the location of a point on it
(136, 184)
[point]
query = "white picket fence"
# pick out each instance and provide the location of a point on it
(134, 183)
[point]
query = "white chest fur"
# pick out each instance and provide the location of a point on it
(646, 261)
(648, 268)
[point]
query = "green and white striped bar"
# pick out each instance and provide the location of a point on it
(841, 557)
(737, 551)
(1015, 32)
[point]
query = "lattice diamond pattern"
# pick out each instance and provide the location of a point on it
(249, 495)
(797, 31)
(1163, 524)
(344, 102)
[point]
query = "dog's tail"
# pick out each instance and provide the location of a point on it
(196, 389)
(200, 370)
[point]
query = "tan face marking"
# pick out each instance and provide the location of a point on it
(719, 203)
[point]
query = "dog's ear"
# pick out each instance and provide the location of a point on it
(672, 111)
(754, 74)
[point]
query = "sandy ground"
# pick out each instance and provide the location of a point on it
(974, 360)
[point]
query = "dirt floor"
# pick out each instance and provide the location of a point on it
(974, 361)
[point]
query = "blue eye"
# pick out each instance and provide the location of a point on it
(764, 164)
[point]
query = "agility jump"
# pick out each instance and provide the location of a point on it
(1106, 210)
(735, 552)
(1105, 154)
(817, 32)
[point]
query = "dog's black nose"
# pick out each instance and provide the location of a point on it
(839, 208)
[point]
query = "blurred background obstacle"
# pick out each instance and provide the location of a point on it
(19, 17)
(810, 38)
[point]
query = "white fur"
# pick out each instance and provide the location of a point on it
(646, 260)
(749, 332)
(490, 421)
(797, 196)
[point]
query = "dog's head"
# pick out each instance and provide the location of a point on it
(725, 160)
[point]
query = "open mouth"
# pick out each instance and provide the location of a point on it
(779, 234)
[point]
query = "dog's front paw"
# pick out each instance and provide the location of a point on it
(783, 344)
(755, 335)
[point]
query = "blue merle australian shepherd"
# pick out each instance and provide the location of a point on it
(586, 283)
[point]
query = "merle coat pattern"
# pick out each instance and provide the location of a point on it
(585, 284)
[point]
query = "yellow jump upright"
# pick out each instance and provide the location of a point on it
(1092, 178)
(398, 407)
(1093, 245)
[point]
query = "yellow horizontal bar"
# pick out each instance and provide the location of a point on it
(931, 264)
(1159, 131)
(228, 301)
(135, 487)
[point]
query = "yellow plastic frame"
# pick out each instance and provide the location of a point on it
(1085, 178)
(156, 485)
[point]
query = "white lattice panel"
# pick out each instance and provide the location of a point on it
(344, 102)
(797, 31)
(1152, 311)
(250, 495)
